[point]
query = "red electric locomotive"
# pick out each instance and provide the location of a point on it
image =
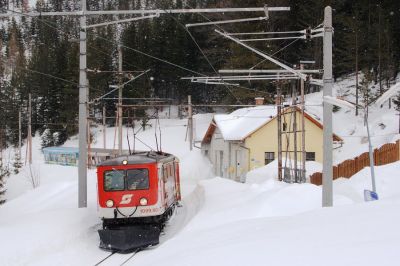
(136, 195)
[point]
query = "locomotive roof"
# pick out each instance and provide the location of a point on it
(139, 158)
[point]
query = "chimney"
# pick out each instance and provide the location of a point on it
(259, 101)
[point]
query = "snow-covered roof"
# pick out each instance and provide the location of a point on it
(242, 122)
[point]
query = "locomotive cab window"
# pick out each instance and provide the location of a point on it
(114, 180)
(137, 179)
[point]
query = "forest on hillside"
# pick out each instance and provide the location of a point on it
(40, 55)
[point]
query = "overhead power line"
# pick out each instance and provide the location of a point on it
(47, 75)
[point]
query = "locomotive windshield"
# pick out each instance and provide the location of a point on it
(137, 179)
(114, 180)
(132, 179)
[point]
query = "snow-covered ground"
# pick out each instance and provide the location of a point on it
(383, 121)
(262, 222)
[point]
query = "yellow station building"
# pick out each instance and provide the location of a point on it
(248, 138)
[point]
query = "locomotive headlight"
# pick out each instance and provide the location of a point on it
(109, 203)
(143, 201)
(124, 162)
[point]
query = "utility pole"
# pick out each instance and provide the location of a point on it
(380, 52)
(30, 129)
(19, 134)
(120, 100)
(279, 117)
(104, 128)
(89, 164)
(371, 156)
(303, 130)
(190, 122)
(1, 146)
(327, 171)
(294, 110)
(83, 100)
(357, 89)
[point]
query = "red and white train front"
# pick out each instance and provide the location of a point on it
(136, 195)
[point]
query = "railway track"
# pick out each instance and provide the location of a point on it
(122, 259)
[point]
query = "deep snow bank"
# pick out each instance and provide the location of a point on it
(280, 224)
(364, 234)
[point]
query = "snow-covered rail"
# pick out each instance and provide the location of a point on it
(117, 259)
(103, 260)
(192, 203)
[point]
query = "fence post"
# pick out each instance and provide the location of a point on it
(398, 149)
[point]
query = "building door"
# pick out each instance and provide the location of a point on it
(238, 167)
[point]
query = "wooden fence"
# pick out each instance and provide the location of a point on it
(388, 153)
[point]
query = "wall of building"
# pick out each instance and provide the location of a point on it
(215, 151)
(229, 158)
(266, 140)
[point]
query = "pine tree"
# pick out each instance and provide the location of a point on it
(17, 164)
(47, 138)
(365, 87)
(4, 173)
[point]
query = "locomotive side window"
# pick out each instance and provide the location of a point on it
(137, 179)
(114, 180)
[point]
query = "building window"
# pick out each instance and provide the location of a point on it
(269, 157)
(310, 156)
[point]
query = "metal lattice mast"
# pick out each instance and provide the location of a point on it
(295, 147)
(303, 131)
(190, 122)
(279, 121)
(120, 87)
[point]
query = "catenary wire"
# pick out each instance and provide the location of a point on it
(130, 48)
(201, 51)
(223, 30)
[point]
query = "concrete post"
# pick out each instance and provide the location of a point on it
(327, 172)
(190, 122)
(83, 91)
